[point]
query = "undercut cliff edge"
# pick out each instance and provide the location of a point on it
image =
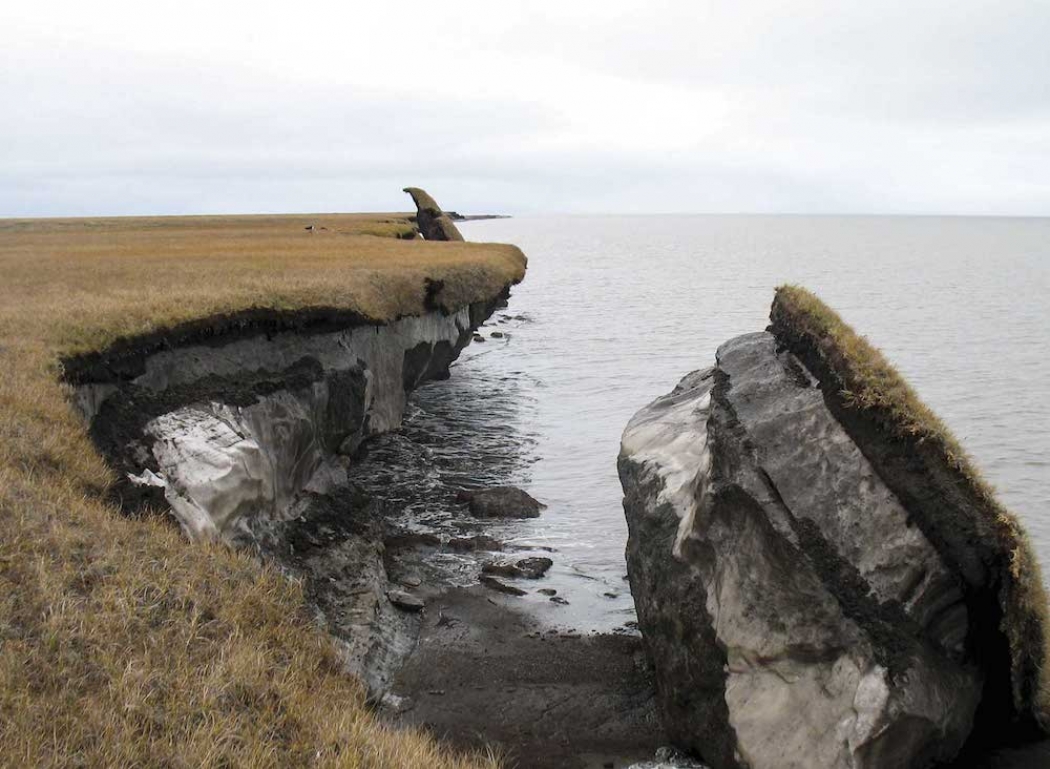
(244, 430)
(242, 423)
(821, 577)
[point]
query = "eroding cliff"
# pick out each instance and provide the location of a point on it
(232, 433)
(795, 613)
(948, 500)
(244, 437)
(118, 634)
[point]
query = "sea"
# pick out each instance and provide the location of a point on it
(615, 310)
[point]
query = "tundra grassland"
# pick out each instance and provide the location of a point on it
(122, 644)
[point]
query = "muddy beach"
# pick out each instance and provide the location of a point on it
(485, 674)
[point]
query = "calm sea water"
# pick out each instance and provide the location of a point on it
(615, 310)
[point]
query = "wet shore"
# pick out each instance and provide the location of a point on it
(486, 675)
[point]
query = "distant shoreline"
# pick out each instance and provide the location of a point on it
(458, 217)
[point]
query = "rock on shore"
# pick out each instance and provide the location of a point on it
(795, 613)
(503, 502)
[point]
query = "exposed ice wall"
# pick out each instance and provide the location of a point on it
(223, 461)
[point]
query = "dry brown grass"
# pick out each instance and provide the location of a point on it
(120, 643)
(871, 384)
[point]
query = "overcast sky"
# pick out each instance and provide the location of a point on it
(577, 106)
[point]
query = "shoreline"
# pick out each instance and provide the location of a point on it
(485, 674)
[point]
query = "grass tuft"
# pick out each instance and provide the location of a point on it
(424, 201)
(120, 643)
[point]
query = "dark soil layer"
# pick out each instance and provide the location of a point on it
(485, 674)
(125, 359)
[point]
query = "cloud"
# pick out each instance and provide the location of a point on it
(115, 107)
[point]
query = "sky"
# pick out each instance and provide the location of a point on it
(764, 106)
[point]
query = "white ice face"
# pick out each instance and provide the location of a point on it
(668, 438)
(219, 464)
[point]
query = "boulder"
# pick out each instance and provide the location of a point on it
(477, 542)
(406, 601)
(534, 567)
(434, 224)
(501, 587)
(797, 613)
(525, 568)
(503, 502)
(405, 539)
